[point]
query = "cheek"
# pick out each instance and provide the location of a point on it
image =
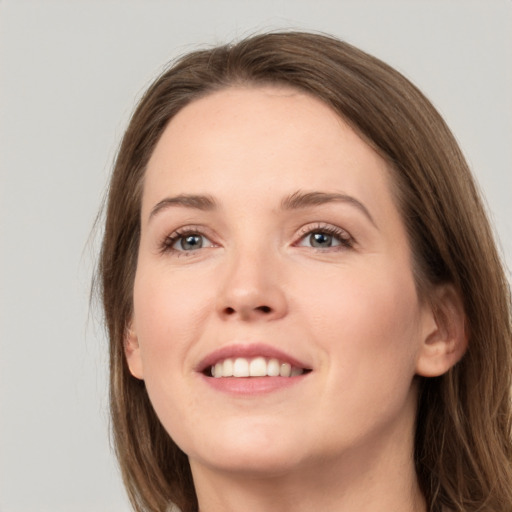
(368, 324)
(368, 333)
(168, 312)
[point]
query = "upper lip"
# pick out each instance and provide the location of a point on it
(247, 351)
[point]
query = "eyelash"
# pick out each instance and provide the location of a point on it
(345, 240)
(179, 234)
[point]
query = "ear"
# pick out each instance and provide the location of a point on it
(132, 352)
(445, 339)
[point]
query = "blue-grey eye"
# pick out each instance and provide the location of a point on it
(185, 241)
(189, 242)
(321, 240)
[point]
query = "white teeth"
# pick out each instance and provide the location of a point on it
(255, 367)
(258, 367)
(273, 368)
(223, 369)
(217, 370)
(286, 370)
(240, 368)
(227, 370)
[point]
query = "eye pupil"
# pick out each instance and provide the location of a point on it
(320, 240)
(191, 242)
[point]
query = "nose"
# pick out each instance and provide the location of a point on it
(252, 289)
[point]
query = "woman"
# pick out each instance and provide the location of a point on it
(305, 304)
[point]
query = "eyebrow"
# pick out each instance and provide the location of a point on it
(296, 201)
(299, 200)
(199, 202)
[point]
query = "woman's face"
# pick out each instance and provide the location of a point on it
(271, 245)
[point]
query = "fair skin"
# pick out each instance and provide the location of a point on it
(269, 230)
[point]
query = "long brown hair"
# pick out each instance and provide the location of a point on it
(463, 450)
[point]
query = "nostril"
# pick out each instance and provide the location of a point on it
(244, 312)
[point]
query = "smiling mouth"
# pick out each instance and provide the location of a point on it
(241, 367)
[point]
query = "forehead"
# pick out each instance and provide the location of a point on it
(262, 140)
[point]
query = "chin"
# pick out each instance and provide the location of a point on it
(252, 463)
(262, 450)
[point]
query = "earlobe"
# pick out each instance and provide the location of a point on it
(446, 339)
(132, 352)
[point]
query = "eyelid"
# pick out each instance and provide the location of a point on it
(169, 240)
(346, 239)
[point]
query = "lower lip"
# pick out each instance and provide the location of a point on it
(252, 385)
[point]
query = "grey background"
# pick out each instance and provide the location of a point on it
(70, 73)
